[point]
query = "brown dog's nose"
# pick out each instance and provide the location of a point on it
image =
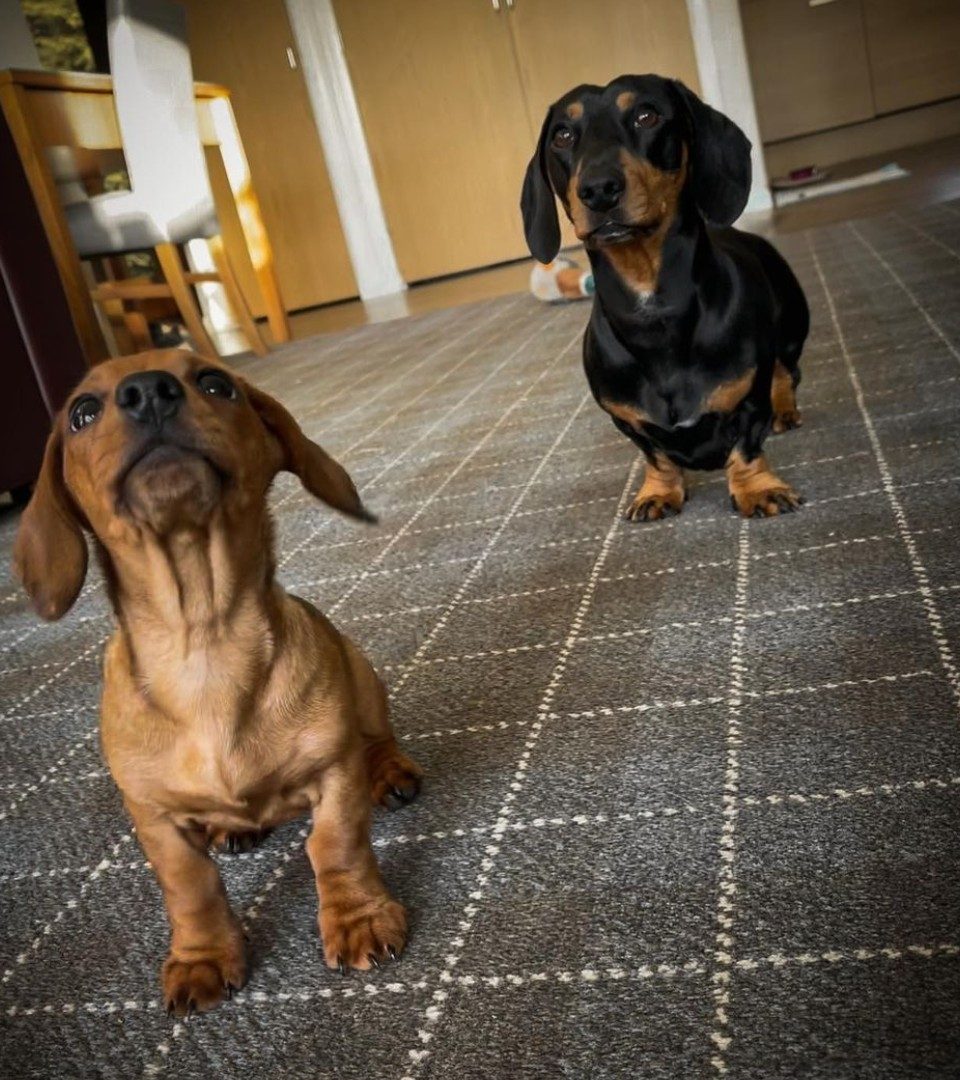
(601, 192)
(150, 397)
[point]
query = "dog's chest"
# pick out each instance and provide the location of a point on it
(668, 375)
(254, 784)
(672, 394)
(235, 764)
(224, 735)
(668, 398)
(209, 679)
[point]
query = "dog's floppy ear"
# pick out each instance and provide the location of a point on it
(50, 553)
(720, 169)
(541, 225)
(318, 472)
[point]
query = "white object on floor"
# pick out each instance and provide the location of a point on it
(788, 183)
(833, 187)
(543, 279)
(544, 284)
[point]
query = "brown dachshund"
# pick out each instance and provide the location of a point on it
(228, 705)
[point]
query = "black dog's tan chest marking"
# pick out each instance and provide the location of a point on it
(725, 397)
(629, 414)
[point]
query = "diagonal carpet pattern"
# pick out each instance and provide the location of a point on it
(693, 787)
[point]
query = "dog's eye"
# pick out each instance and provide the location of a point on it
(85, 410)
(563, 138)
(216, 384)
(646, 118)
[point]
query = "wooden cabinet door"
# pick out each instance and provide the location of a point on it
(563, 43)
(445, 121)
(809, 65)
(914, 48)
(243, 45)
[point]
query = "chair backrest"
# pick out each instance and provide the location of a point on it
(156, 110)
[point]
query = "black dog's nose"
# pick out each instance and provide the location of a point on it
(150, 397)
(601, 192)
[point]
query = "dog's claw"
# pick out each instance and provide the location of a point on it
(239, 843)
(373, 960)
(396, 796)
(393, 952)
(341, 967)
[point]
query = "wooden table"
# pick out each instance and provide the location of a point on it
(45, 108)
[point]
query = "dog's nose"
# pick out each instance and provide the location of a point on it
(150, 397)
(601, 192)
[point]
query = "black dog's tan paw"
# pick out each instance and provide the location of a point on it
(654, 507)
(200, 985)
(779, 498)
(756, 490)
(363, 936)
(787, 421)
(661, 494)
(395, 779)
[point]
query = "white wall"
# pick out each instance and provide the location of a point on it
(338, 122)
(725, 79)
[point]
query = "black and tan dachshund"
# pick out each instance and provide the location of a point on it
(696, 330)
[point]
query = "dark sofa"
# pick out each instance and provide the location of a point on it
(41, 354)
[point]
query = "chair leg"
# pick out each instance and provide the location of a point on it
(170, 264)
(234, 295)
(133, 320)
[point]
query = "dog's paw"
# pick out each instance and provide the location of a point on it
(237, 843)
(787, 421)
(647, 507)
(363, 936)
(394, 780)
(198, 985)
(778, 498)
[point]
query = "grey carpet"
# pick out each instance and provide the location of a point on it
(693, 786)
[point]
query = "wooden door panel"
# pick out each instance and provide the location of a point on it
(914, 48)
(440, 99)
(243, 45)
(562, 43)
(809, 65)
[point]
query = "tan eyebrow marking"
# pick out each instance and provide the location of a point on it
(625, 99)
(575, 110)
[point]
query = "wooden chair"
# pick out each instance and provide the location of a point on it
(170, 201)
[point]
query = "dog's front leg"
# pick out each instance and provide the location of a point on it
(757, 491)
(662, 492)
(360, 923)
(206, 960)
